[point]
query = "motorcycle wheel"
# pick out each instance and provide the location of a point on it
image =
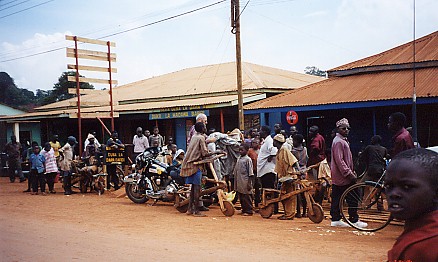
(228, 209)
(267, 211)
(136, 196)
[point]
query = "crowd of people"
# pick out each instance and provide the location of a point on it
(269, 160)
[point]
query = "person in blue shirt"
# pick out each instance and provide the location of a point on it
(37, 167)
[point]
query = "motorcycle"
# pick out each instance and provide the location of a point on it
(151, 179)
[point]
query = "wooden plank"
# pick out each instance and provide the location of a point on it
(94, 115)
(91, 80)
(89, 41)
(72, 91)
(92, 68)
(91, 55)
(93, 103)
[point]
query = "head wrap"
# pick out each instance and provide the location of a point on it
(178, 152)
(280, 138)
(342, 122)
(90, 136)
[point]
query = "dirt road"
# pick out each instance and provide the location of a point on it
(88, 227)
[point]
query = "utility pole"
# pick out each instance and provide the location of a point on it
(414, 93)
(235, 24)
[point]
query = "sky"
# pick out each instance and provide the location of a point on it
(286, 34)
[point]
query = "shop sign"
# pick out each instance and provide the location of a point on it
(292, 117)
(180, 114)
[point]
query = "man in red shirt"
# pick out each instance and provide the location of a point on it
(316, 150)
(401, 140)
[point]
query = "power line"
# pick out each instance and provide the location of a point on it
(1, 17)
(14, 5)
(121, 32)
(8, 2)
(162, 20)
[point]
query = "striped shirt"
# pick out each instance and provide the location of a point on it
(51, 166)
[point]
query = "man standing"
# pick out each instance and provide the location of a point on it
(343, 176)
(65, 163)
(401, 140)
(199, 118)
(285, 163)
(266, 160)
(316, 150)
(140, 143)
(13, 150)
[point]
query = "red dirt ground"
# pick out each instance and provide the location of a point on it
(89, 227)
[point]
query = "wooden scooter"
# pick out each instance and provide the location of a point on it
(182, 196)
(272, 196)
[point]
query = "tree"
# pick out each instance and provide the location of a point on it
(13, 96)
(60, 89)
(313, 70)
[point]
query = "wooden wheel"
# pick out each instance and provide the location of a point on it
(183, 209)
(318, 213)
(267, 211)
(228, 209)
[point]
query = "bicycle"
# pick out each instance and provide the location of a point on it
(369, 199)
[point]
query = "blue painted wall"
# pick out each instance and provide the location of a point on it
(180, 133)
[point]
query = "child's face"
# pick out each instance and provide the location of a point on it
(242, 151)
(156, 131)
(409, 191)
(255, 144)
(36, 150)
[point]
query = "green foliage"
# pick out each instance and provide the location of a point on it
(13, 96)
(313, 70)
(60, 89)
(26, 100)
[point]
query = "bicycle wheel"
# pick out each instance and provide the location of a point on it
(368, 200)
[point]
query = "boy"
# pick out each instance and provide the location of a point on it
(300, 152)
(192, 173)
(243, 179)
(411, 184)
(253, 153)
(37, 162)
(156, 137)
(51, 166)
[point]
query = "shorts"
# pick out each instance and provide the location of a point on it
(194, 179)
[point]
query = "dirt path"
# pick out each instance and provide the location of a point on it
(89, 227)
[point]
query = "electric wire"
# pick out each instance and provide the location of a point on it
(121, 32)
(1, 17)
(14, 5)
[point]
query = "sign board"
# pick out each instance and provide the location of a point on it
(114, 156)
(292, 117)
(181, 114)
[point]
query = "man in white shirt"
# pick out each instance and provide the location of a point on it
(140, 142)
(266, 160)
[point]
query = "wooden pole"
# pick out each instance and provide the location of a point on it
(78, 94)
(235, 14)
(111, 85)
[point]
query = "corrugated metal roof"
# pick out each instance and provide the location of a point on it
(357, 88)
(206, 102)
(211, 79)
(426, 49)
